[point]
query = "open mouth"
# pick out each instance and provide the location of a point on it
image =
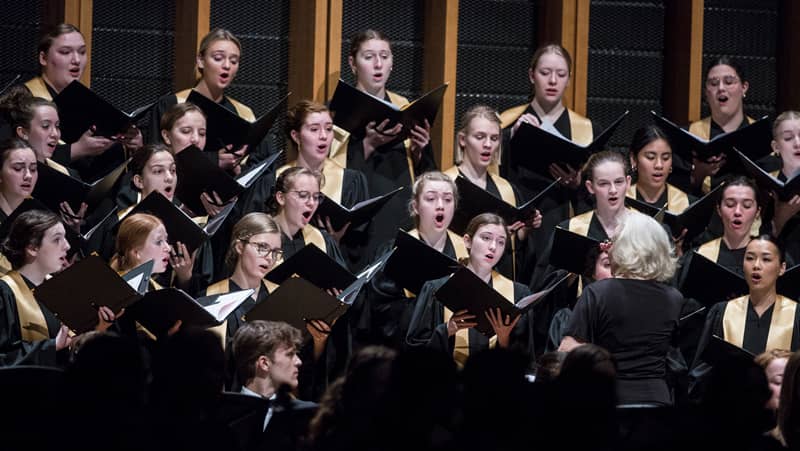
(486, 156)
(377, 75)
(264, 267)
(26, 186)
(489, 257)
(722, 99)
(613, 199)
(75, 72)
(737, 223)
(755, 277)
(307, 216)
(551, 92)
(439, 219)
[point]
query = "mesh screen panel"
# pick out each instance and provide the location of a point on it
(264, 68)
(403, 23)
(747, 32)
(495, 42)
(626, 58)
(19, 34)
(133, 51)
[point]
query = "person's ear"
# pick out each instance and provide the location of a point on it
(295, 138)
(467, 242)
(280, 197)
(414, 207)
(531, 71)
(462, 141)
(43, 59)
(22, 133)
(351, 61)
(137, 182)
(31, 252)
(165, 137)
(783, 269)
(589, 186)
(200, 62)
(745, 87)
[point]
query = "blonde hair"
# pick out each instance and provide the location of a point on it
(218, 34)
(642, 249)
(787, 115)
(477, 111)
(132, 235)
(250, 225)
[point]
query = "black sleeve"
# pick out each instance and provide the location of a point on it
(427, 328)
(522, 336)
(701, 370)
(581, 325)
(426, 161)
(14, 350)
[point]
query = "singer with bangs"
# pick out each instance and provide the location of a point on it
(634, 314)
(30, 334)
(436, 327)
(387, 305)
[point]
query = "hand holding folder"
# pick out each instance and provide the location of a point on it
(80, 109)
(354, 109)
(536, 148)
(356, 215)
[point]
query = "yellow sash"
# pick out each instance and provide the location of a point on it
(32, 325)
(781, 327)
(509, 116)
(312, 235)
(5, 265)
(38, 88)
(124, 212)
(57, 166)
(677, 200)
(710, 250)
(461, 349)
(341, 137)
(580, 128)
(334, 178)
(243, 111)
(580, 224)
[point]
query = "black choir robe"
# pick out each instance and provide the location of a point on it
(15, 349)
(429, 329)
(388, 167)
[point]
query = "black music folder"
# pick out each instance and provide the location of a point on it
(159, 310)
(722, 353)
(198, 174)
(709, 282)
(180, 227)
(694, 218)
(54, 187)
(570, 250)
(356, 215)
(785, 190)
(314, 265)
(224, 127)
(537, 148)
(474, 200)
(466, 291)
(414, 263)
(75, 294)
(354, 109)
(80, 108)
(754, 139)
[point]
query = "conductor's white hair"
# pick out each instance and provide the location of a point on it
(642, 249)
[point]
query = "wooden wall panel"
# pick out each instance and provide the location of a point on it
(191, 24)
(683, 60)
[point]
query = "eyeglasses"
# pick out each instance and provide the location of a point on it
(263, 250)
(727, 80)
(306, 195)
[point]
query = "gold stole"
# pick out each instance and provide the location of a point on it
(38, 88)
(710, 250)
(781, 327)
(580, 224)
(57, 166)
(311, 235)
(334, 178)
(341, 137)
(702, 129)
(580, 128)
(223, 287)
(677, 200)
(32, 325)
(243, 111)
(124, 212)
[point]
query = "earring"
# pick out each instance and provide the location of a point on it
(25, 137)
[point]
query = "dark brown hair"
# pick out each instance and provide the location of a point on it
(364, 36)
(175, 112)
(257, 338)
(285, 183)
(52, 33)
(27, 230)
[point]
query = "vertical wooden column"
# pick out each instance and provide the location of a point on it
(567, 22)
(75, 12)
(192, 22)
(441, 49)
(308, 49)
(788, 62)
(683, 60)
(333, 63)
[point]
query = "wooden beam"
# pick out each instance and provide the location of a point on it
(788, 63)
(308, 49)
(566, 22)
(441, 51)
(683, 60)
(75, 12)
(192, 23)
(333, 67)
